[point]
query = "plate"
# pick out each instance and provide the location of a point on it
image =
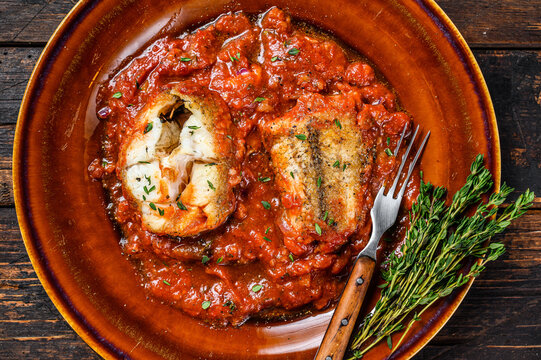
(69, 237)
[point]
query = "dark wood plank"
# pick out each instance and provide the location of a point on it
(501, 23)
(30, 325)
(484, 23)
(31, 21)
(499, 318)
(515, 87)
(7, 133)
(16, 64)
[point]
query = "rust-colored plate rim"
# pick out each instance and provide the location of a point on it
(463, 50)
(45, 274)
(39, 263)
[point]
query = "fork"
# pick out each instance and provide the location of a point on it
(383, 214)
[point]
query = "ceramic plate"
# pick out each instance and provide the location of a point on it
(73, 244)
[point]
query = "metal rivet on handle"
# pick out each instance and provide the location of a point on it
(344, 322)
(328, 358)
(360, 280)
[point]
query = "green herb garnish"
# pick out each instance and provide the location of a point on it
(291, 257)
(193, 127)
(256, 288)
(336, 164)
(318, 228)
(293, 51)
(148, 127)
(152, 206)
(166, 282)
(205, 305)
(337, 123)
(301, 137)
(185, 59)
(205, 259)
(266, 239)
(211, 185)
(266, 205)
(267, 231)
(220, 259)
(230, 305)
(181, 206)
(117, 95)
(148, 191)
(429, 265)
(388, 152)
(259, 99)
(274, 58)
(264, 179)
(319, 181)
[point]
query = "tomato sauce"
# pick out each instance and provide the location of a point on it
(259, 67)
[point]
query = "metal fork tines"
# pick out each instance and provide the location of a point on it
(385, 208)
(384, 212)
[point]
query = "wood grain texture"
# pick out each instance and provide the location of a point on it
(497, 24)
(16, 64)
(484, 23)
(501, 315)
(31, 21)
(30, 325)
(336, 339)
(514, 81)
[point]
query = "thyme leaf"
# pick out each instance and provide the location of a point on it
(429, 265)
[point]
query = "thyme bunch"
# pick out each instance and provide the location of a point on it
(429, 265)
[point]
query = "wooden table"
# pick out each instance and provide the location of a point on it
(500, 317)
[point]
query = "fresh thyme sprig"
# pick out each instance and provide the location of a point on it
(429, 265)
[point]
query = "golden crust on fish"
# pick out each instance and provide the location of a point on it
(177, 162)
(318, 157)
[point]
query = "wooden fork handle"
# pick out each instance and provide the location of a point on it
(337, 336)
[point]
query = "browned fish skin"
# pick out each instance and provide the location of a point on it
(319, 164)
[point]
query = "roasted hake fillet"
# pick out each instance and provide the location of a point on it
(319, 159)
(178, 163)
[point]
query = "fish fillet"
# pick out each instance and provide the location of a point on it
(178, 162)
(319, 158)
